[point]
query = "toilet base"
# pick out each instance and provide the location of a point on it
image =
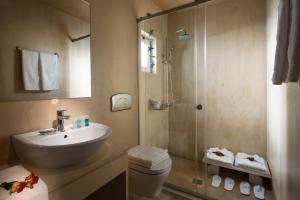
(146, 185)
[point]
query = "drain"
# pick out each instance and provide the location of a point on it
(197, 181)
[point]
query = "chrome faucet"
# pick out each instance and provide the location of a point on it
(60, 120)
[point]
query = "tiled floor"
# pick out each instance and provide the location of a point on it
(220, 193)
(183, 172)
(163, 196)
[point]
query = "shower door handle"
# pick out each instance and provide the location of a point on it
(199, 107)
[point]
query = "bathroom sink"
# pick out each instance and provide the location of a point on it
(61, 149)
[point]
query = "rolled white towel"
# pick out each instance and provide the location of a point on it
(253, 162)
(221, 155)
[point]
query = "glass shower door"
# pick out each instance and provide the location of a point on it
(182, 93)
(171, 93)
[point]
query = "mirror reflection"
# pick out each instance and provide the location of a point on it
(45, 49)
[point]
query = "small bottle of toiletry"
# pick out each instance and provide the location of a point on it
(82, 121)
(86, 121)
(75, 124)
(78, 122)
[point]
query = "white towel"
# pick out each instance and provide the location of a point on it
(48, 64)
(18, 173)
(227, 158)
(30, 70)
(147, 156)
(258, 163)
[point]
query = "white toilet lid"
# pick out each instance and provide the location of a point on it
(156, 169)
(147, 156)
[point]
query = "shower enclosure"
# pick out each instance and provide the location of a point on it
(172, 88)
(202, 84)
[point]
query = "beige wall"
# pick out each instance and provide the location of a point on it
(236, 75)
(283, 122)
(114, 69)
(46, 29)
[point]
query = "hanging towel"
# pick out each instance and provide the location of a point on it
(48, 64)
(30, 70)
(287, 59)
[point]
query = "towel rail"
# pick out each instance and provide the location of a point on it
(20, 49)
(80, 38)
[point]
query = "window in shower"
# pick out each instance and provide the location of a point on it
(148, 52)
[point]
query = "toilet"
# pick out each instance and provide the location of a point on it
(148, 169)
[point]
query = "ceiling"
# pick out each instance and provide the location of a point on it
(77, 8)
(168, 4)
(81, 9)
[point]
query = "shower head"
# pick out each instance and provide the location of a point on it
(184, 36)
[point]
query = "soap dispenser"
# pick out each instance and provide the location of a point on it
(86, 121)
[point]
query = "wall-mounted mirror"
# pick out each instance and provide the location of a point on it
(44, 49)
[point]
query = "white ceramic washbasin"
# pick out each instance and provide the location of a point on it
(61, 149)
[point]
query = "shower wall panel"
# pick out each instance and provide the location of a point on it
(154, 126)
(236, 75)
